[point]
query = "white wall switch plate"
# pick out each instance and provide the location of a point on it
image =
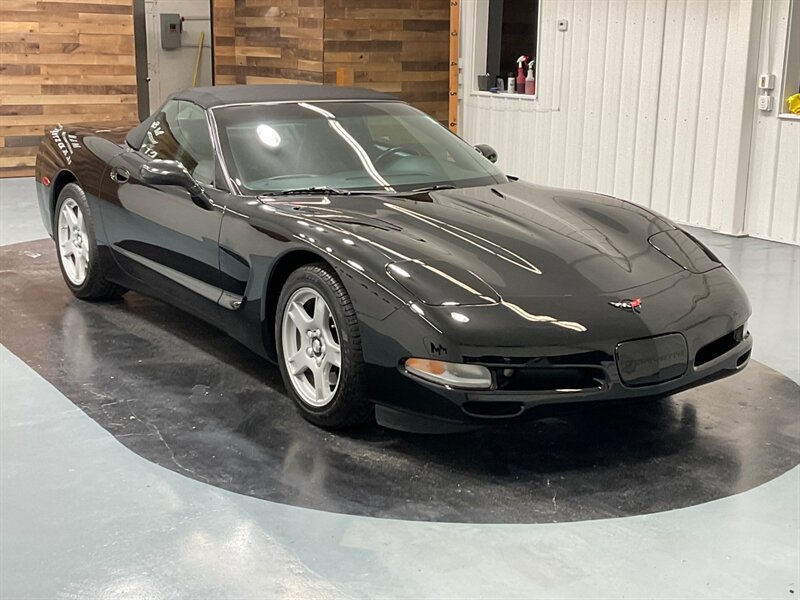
(766, 81)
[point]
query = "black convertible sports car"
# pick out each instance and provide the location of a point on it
(388, 267)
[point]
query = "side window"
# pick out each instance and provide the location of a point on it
(180, 132)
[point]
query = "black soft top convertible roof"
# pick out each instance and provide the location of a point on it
(209, 97)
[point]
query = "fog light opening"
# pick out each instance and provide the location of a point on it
(457, 375)
(743, 359)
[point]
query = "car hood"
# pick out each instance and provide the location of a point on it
(509, 241)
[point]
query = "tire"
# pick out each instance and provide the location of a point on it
(341, 404)
(76, 247)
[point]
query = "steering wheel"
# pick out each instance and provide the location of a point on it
(394, 150)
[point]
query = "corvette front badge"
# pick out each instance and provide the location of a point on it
(633, 305)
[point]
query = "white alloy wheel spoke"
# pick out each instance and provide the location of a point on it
(333, 354)
(322, 387)
(321, 314)
(67, 248)
(69, 213)
(298, 315)
(298, 362)
(80, 267)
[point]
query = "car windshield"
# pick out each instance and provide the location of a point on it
(387, 146)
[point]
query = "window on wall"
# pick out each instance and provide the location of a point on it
(791, 73)
(512, 31)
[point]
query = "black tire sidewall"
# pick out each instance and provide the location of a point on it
(349, 385)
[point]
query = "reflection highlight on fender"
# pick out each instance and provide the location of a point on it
(542, 318)
(470, 238)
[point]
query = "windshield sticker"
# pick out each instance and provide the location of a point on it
(151, 140)
(67, 142)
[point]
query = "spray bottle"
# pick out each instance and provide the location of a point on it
(521, 74)
(511, 87)
(530, 82)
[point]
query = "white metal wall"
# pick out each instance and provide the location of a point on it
(773, 195)
(647, 100)
(173, 70)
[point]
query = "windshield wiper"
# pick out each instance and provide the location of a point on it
(433, 188)
(319, 189)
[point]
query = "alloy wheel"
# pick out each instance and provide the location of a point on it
(311, 347)
(73, 242)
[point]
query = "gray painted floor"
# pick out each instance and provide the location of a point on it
(82, 516)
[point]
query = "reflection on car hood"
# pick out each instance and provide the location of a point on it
(520, 240)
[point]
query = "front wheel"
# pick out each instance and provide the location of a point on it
(319, 349)
(76, 246)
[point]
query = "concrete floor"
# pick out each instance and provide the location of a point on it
(81, 515)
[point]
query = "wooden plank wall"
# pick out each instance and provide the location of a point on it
(223, 32)
(401, 47)
(268, 41)
(61, 62)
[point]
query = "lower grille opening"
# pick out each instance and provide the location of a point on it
(582, 358)
(551, 379)
(743, 359)
(492, 409)
(718, 347)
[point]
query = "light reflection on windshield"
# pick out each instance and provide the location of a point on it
(357, 148)
(387, 146)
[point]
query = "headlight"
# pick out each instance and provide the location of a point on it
(455, 375)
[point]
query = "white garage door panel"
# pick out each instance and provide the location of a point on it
(651, 101)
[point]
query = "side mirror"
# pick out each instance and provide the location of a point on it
(488, 152)
(171, 172)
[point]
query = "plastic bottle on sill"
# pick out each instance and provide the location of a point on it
(530, 82)
(520, 81)
(512, 84)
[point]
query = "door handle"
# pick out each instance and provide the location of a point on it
(119, 175)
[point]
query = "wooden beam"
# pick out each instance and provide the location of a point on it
(455, 28)
(345, 76)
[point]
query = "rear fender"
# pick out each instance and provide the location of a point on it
(72, 154)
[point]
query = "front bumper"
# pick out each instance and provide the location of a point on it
(708, 311)
(406, 396)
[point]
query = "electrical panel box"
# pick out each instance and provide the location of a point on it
(170, 31)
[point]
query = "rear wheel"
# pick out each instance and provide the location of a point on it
(319, 348)
(76, 246)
